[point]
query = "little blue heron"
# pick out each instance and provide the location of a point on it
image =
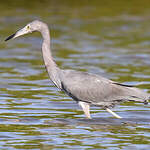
(85, 88)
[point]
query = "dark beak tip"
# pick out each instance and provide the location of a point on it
(10, 37)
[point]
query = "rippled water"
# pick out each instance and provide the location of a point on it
(107, 38)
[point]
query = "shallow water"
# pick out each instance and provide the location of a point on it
(107, 38)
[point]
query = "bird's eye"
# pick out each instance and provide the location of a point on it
(28, 27)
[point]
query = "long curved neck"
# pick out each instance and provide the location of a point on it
(50, 64)
(47, 56)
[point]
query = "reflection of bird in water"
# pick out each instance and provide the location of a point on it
(83, 87)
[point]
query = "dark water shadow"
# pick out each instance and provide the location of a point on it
(102, 121)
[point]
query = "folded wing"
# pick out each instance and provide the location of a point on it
(91, 88)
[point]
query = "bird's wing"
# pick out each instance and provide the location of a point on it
(98, 90)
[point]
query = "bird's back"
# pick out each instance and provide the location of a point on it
(97, 90)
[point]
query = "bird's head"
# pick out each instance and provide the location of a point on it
(29, 28)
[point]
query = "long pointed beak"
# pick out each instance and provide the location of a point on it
(17, 34)
(10, 37)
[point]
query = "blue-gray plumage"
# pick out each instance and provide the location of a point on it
(83, 87)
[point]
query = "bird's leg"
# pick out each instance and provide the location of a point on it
(86, 108)
(114, 114)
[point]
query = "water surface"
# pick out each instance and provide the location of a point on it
(103, 37)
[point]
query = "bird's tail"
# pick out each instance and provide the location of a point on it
(139, 99)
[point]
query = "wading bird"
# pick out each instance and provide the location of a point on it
(85, 88)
